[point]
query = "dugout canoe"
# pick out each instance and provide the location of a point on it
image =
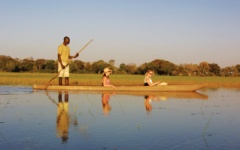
(165, 88)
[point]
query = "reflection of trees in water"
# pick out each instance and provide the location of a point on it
(205, 131)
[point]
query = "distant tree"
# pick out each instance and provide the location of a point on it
(195, 69)
(72, 67)
(167, 67)
(76, 66)
(189, 69)
(40, 64)
(142, 68)
(155, 65)
(161, 66)
(214, 69)
(50, 66)
(234, 71)
(27, 64)
(17, 63)
(11, 65)
(226, 71)
(88, 67)
(56, 66)
(122, 68)
(175, 72)
(183, 70)
(180, 70)
(111, 62)
(204, 68)
(79, 65)
(131, 68)
(6, 63)
(238, 68)
(98, 66)
(229, 71)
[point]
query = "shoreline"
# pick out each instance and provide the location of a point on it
(29, 79)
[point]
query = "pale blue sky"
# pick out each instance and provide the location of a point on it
(128, 31)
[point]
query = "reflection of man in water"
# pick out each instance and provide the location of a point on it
(62, 117)
(105, 105)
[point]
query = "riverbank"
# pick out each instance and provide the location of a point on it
(7, 78)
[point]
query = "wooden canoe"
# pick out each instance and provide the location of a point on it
(165, 88)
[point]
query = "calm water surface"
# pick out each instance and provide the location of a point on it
(32, 119)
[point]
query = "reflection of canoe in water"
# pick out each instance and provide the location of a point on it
(166, 95)
(162, 95)
(165, 88)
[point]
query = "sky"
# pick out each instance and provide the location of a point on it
(127, 31)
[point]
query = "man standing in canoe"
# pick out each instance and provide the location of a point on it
(64, 60)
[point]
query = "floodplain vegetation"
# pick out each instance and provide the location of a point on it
(28, 79)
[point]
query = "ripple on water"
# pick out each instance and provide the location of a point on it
(15, 90)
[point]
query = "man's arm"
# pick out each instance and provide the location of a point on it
(71, 57)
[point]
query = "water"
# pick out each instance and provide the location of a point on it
(31, 119)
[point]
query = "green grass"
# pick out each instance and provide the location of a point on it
(116, 79)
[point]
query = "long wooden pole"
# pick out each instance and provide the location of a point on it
(85, 46)
(48, 83)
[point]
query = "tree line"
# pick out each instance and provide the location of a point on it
(160, 66)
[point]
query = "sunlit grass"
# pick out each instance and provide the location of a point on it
(116, 79)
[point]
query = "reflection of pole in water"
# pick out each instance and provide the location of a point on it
(205, 129)
(63, 117)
